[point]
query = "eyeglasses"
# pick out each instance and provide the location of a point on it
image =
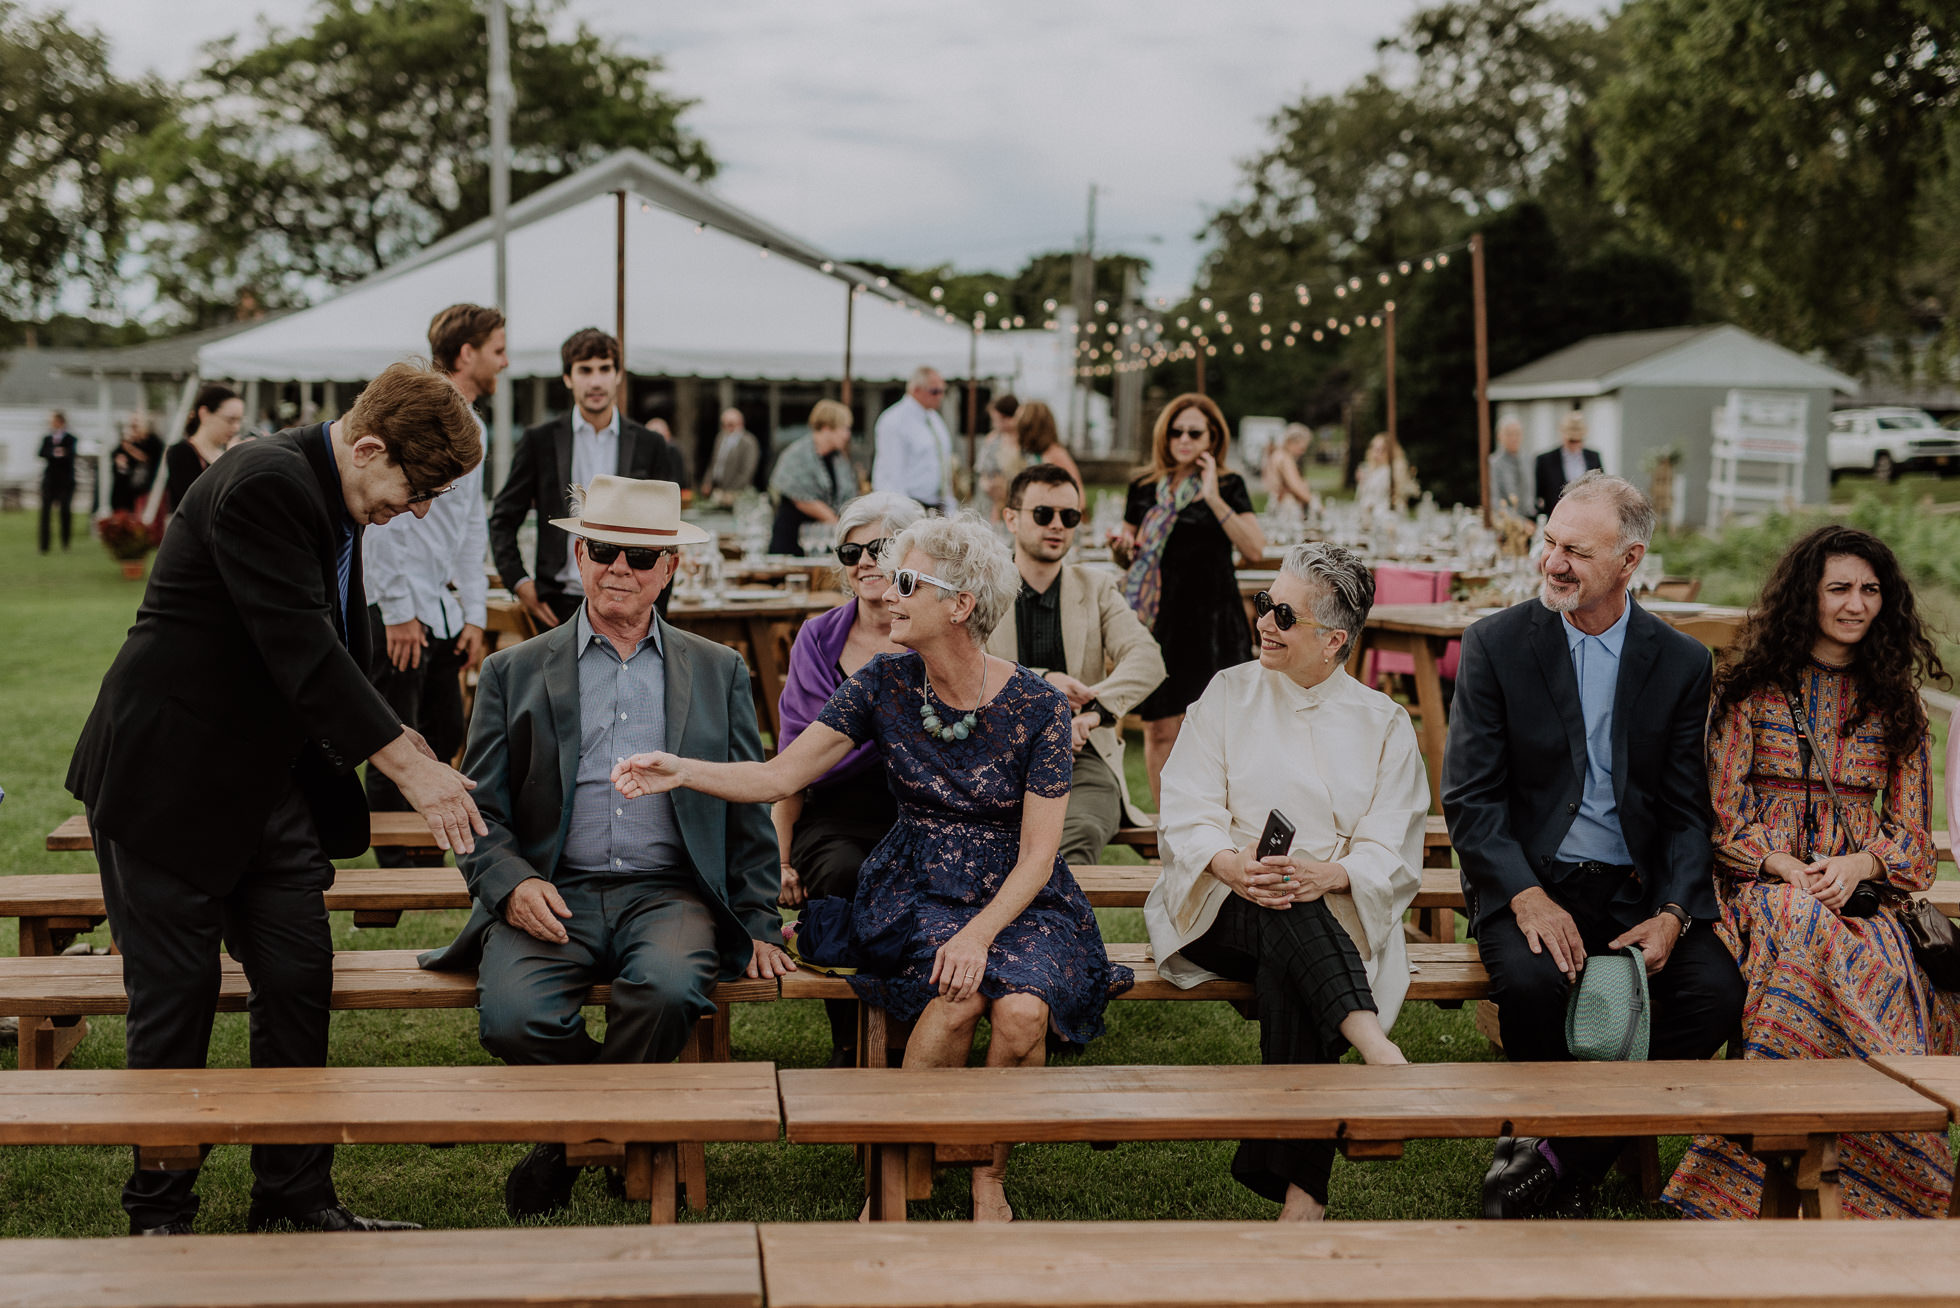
(423, 497)
(932, 390)
(906, 580)
(1193, 433)
(1043, 514)
(603, 552)
(1283, 615)
(850, 552)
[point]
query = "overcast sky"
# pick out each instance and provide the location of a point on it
(918, 133)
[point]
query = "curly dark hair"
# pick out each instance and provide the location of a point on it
(1773, 647)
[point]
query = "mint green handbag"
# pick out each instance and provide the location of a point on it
(1607, 1014)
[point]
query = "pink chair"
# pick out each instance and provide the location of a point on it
(1409, 586)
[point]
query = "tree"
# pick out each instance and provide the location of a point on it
(319, 156)
(1780, 148)
(66, 171)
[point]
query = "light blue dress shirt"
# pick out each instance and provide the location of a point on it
(622, 710)
(1595, 834)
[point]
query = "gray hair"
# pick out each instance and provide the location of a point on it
(922, 374)
(971, 556)
(889, 509)
(1343, 588)
(1636, 513)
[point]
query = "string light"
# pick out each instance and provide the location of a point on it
(827, 266)
(990, 299)
(938, 292)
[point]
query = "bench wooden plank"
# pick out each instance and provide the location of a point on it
(401, 830)
(609, 1103)
(1348, 1102)
(363, 979)
(714, 1265)
(1933, 1075)
(1179, 1264)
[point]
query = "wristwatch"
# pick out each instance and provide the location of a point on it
(1103, 716)
(1680, 915)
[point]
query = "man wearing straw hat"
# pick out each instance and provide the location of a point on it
(661, 896)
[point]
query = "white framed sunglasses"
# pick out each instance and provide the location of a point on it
(906, 580)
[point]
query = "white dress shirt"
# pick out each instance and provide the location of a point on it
(1340, 761)
(432, 568)
(913, 453)
(595, 453)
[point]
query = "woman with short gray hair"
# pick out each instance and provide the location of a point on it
(1317, 927)
(965, 909)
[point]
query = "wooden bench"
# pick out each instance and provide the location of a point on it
(1498, 1264)
(631, 1116)
(657, 1266)
(1444, 974)
(1788, 1113)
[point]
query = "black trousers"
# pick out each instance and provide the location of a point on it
(840, 825)
(1306, 977)
(274, 922)
(429, 698)
(1697, 997)
(55, 498)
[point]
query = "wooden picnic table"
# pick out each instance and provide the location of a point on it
(1789, 1113)
(1935, 1076)
(1424, 632)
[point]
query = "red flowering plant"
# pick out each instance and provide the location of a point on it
(126, 536)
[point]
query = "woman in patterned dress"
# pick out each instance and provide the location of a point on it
(968, 890)
(1835, 644)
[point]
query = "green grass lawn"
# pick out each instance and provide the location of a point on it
(64, 618)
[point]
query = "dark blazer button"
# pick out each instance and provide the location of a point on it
(1572, 808)
(1544, 860)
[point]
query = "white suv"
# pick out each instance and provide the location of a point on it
(1890, 440)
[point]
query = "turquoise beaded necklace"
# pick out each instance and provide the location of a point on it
(960, 729)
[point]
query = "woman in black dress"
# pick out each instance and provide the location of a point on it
(1183, 518)
(212, 426)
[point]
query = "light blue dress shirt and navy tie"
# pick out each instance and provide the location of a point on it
(1595, 835)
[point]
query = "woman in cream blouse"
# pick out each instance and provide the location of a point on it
(1318, 931)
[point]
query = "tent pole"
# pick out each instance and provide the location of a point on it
(619, 297)
(972, 395)
(1388, 345)
(1483, 372)
(500, 101)
(850, 324)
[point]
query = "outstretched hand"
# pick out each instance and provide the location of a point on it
(641, 775)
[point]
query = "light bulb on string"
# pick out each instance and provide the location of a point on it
(1049, 305)
(1289, 340)
(1360, 320)
(1020, 320)
(938, 292)
(1442, 261)
(1293, 327)
(1102, 306)
(762, 253)
(1332, 323)
(1346, 330)
(1005, 323)
(1382, 278)
(1183, 323)
(1227, 329)
(1429, 265)
(1048, 324)
(1239, 348)
(1340, 292)
(1266, 345)
(1375, 321)
(1354, 283)
(883, 282)
(1204, 305)
(827, 266)
(1390, 306)
(990, 299)
(1211, 351)
(1265, 329)
(699, 228)
(1403, 267)
(1318, 335)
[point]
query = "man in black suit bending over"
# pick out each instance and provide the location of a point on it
(218, 763)
(1577, 798)
(593, 439)
(1558, 468)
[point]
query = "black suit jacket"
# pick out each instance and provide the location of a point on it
(1551, 474)
(58, 471)
(541, 477)
(240, 676)
(1515, 766)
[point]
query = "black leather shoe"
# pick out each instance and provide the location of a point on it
(540, 1184)
(1519, 1180)
(182, 1226)
(336, 1218)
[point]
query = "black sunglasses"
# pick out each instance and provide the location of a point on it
(850, 552)
(603, 552)
(1043, 514)
(1283, 615)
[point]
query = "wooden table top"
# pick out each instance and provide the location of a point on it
(1181, 1264)
(1935, 1076)
(597, 1102)
(711, 1265)
(1348, 1101)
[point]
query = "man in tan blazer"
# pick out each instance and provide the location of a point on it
(1071, 625)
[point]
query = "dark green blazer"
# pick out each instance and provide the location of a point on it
(523, 756)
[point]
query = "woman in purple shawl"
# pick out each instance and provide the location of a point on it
(825, 833)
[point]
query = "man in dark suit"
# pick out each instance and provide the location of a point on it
(218, 763)
(660, 896)
(1577, 801)
(57, 457)
(594, 438)
(1556, 469)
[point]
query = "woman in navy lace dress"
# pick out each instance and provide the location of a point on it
(968, 891)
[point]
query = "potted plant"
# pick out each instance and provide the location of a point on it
(128, 540)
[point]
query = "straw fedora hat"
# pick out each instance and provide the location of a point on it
(626, 511)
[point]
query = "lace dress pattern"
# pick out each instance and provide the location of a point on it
(957, 837)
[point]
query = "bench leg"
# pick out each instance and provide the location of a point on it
(637, 1173)
(46, 1042)
(886, 1176)
(694, 1174)
(1800, 1176)
(663, 1181)
(1817, 1179)
(1641, 1162)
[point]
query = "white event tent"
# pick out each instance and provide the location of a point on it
(710, 292)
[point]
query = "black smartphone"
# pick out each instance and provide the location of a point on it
(1277, 838)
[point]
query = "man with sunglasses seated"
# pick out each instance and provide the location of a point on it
(1071, 625)
(660, 896)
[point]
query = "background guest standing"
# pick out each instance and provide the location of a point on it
(57, 455)
(732, 465)
(912, 452)
(814, 477)
(1041, 440)
(212, 426)
(1571, 460)
(999, 455)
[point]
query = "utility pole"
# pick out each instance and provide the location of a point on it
(1082, 293)
(1129, 385)
(1483, 371)
(619, 298)
(1388, 342)
(500, 102)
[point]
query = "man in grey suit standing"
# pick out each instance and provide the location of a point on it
(660, 896)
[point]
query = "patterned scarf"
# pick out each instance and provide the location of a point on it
(1143, 586)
